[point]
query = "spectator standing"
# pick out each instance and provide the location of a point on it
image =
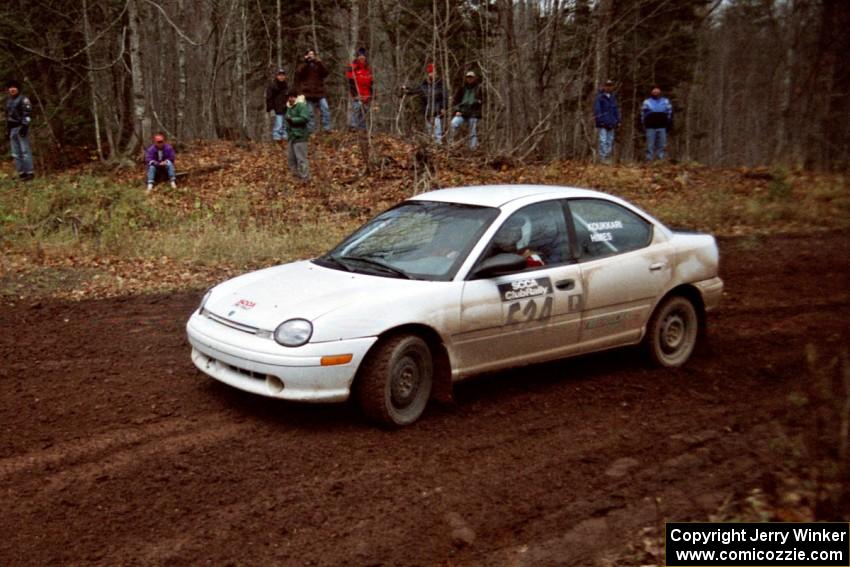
(361, 86)
(297, 127)
(433, 94)
(276, 95)
(310, 80)
(18, 117)
(656, 116)
(606, 112)
(160, 158)
(467, 102)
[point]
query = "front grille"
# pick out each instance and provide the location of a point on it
(248, 373)
(232, 324)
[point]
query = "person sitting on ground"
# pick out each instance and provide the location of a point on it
(159, 158)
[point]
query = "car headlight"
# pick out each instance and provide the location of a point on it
(294, 332)
(204, 301)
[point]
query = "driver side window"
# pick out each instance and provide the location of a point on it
(537, 232)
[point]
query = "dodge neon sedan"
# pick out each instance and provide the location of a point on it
(453, 283)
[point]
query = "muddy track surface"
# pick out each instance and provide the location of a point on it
(115, 450)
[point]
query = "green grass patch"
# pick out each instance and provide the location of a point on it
(90, 216)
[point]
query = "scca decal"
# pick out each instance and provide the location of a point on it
(525, 288)
(245, 304)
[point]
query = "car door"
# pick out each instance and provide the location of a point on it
(530, 315)
(623, 271)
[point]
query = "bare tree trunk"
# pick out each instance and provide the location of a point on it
(277, 24)
(243, 75)
(602, 47)
(181, 75)
(91, 80)
(141, 123)
(354, 27)
(313, 25)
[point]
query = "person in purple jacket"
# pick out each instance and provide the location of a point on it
(160, 157)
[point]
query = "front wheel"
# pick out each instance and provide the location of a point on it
(672, 332)
(395, 381)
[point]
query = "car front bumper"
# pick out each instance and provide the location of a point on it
(261, 366)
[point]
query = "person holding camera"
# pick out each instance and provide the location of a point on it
(310, 80)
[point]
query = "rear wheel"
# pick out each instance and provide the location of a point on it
(672, 332)
(395, 381)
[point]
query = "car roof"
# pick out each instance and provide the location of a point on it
(500, 195)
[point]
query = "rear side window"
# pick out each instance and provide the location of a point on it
(604, 228)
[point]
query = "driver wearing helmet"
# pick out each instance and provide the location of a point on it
(507, 241)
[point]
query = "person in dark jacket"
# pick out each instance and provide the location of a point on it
(310, 80)
(467, 103)
(607, 115)
(276, 95)
(361, 87)
(433, 95)
(297, 127)
(18, 117)
(160, 157)
(656, 116)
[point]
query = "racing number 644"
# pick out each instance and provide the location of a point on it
(519, 313)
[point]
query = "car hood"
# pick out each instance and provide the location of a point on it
(266, 298)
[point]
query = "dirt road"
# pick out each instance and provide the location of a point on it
(114, 450)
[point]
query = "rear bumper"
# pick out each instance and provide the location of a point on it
(261, 366)
(711, 291)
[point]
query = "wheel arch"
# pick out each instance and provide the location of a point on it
(442, 387)
(690, 292)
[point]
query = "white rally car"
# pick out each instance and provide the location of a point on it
(453, 283)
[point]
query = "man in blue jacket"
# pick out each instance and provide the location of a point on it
(656, 116)
(607, 115)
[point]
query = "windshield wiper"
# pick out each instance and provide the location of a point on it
(378, 264)
(335, 261)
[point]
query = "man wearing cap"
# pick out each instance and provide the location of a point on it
(433, 95)
(159, 157)
(297, 121)
(467, 103)
(361, 88)
(310, 80)
(607, 115)
(276, 94)
(18, 110)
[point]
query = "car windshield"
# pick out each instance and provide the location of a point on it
(416, 240)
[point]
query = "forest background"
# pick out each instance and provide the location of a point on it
(751, 81)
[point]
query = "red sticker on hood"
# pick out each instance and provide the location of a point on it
(245, 304)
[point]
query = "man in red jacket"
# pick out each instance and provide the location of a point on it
(361, 88)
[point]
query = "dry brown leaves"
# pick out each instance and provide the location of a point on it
(255, 176)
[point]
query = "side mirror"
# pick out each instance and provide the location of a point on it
(498, 265)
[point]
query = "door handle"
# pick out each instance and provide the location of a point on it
(565, 285)
(657, 266)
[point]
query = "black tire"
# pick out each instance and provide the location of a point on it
(672, 333)
(395, 381)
